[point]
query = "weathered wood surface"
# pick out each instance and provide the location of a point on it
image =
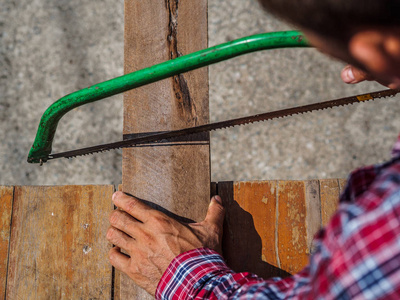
(6, 197)
(330, 191)
(176, 176)
(58, 248)
(270, 225)
(291, 231)
(250, 227)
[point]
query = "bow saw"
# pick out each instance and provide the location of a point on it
(42, 146)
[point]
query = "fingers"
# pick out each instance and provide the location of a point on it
(119, 238)
(216, 213)
(132, 206)
(119, 260)
(353, 75)
(124, 222)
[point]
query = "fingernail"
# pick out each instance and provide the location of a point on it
(115, 195)
(348, 75)
(218, 199)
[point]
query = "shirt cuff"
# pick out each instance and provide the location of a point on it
(188, 272)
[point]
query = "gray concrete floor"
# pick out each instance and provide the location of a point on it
(51, 48)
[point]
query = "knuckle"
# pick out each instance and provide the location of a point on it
(131, 205)
(134, 271)
(159, 217)
(110, 234)
(112, 255)
(161, 221)
(147, 237)
(114, 217)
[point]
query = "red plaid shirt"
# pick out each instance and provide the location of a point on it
(357, 255)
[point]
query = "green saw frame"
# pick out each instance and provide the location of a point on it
(42, 145)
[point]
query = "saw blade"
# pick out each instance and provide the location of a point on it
(151, 138)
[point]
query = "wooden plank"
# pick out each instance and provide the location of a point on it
(177, 177)
(313, 209)
(213, 189)
(292, 234)
(58, 248)
(6, 200)
(259, 199)
(342, 185)
(249, 241)
(273, 220)
(329, 198)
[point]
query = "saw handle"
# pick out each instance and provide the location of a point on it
(42, 145)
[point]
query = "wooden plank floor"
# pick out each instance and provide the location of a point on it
(53, 246)
(57, 247)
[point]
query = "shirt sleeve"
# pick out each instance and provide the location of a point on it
(357, 255)
(203, 274)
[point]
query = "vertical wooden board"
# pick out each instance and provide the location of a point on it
(175, 177)
(342, 185)
(250, 227)
(155, 32)
(329, 198)
(313, 209)
(58, 248)
(292, 234)
(6, 200)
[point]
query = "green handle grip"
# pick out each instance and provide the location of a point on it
(42, 145)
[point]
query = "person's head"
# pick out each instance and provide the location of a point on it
(364, 33)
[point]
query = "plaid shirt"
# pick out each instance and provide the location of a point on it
(357, 254)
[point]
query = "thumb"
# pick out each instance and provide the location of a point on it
(351, 74)
(216, 212)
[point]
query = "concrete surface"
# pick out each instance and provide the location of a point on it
(51, 48)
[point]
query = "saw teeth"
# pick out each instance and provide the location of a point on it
(231, 123)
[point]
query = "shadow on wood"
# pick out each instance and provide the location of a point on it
(242, 245)
(164, 210)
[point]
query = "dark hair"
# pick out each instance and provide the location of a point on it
(335, 18)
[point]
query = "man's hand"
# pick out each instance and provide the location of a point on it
(378, 51)
(152, 239)
(351, 74)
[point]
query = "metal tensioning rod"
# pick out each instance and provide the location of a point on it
(42, 145)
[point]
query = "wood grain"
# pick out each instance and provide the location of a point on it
(270, 225)
(313, 209)
(330, 191)
(58, 248)
(6, 200)
(342, 185)
(292, 247)
(259, 199)
(176, 177)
